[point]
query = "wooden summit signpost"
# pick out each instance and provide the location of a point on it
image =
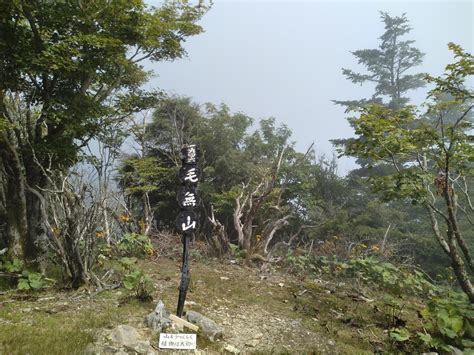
(187, 221)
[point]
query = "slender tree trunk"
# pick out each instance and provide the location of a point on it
(34, 179)
(449, 246)
(248, 231)
(219, 237)
(453, 221)
(3, 208)
(276, 226)
(459, 268)
(14, 203)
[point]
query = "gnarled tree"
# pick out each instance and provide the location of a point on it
(68, 69)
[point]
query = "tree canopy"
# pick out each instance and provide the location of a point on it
(68, 71)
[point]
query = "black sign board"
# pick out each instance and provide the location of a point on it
(190, 154)
(189, 174)
(188, 198)
(187, 222)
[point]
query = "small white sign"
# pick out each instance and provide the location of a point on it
(178, 341)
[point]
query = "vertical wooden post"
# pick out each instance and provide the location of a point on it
(187, 221)
(183, 286)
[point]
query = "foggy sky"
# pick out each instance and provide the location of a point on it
(283, 59)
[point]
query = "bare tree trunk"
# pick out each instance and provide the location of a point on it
(14, 203)
(237, 216)
(276, 226)
(219, 237)
(453, 221)
(384, 240)
(460, 269)
(449, 246)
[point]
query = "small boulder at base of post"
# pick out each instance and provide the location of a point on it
(209, 328)
(158, 319)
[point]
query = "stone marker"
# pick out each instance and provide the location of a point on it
(208, 327)
(158, 319)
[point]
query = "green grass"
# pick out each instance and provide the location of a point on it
(46, 330)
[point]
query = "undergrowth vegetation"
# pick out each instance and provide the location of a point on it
(443, 317)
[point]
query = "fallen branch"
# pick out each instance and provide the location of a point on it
(10, 274)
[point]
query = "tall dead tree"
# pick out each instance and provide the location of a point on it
(219, 238)
(250, 200)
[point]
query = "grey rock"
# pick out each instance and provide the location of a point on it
(158, 319)
(252, 343)
(108, 350)
(91, 349)
(231, 349)
(331, 342)
(142, 347)
(125, 335)
(208, 327)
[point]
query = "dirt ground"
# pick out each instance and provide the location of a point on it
(262, 310)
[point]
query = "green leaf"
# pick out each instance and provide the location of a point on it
(426, 338)
(23, 284)
(400, 334)
(15, 266)
(35, 280)
(456, 324)
(132, 280)
(467, 344)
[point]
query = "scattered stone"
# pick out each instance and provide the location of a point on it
(231, 349)
(125, 335)
(158, 319)
(142, 347)
(208, 327)
(91, 349)
(223, 278)
(110, 350)
(45, 299)
(258, 336)
(252, 343)
(175, 328)
(331, 342)
(190, 303)
(281, 284)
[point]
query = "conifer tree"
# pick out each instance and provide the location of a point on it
(387, 67)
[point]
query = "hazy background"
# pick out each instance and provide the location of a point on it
(284, 58)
